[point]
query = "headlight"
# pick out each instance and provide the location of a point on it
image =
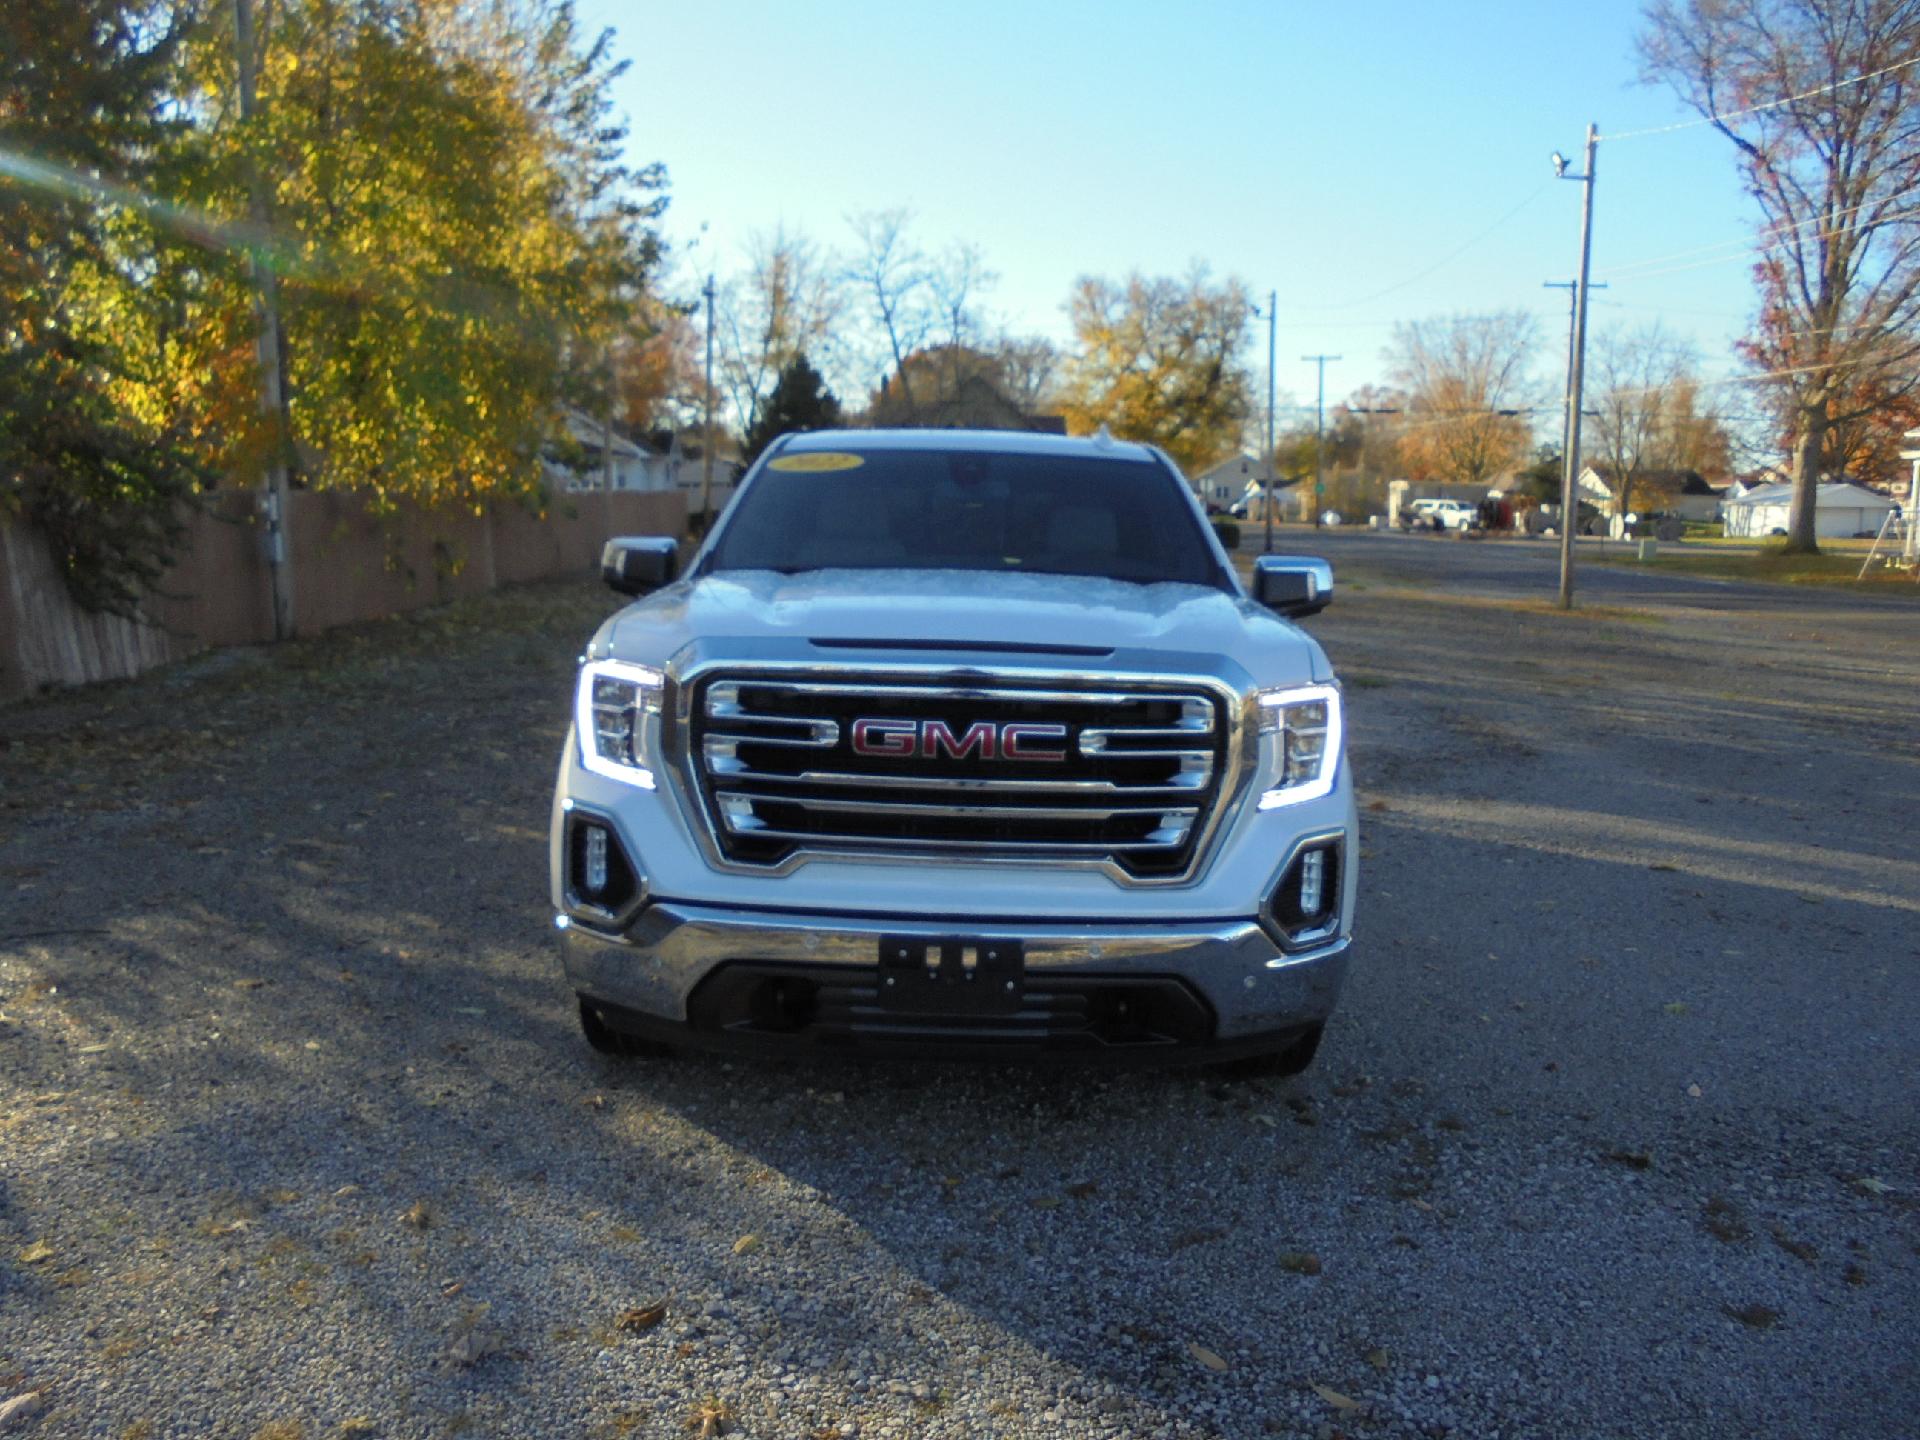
(1305, 725)
(610, 715)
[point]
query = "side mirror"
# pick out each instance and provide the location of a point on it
(1294, 586)
(635, 564)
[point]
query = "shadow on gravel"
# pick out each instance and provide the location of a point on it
(298, 1107)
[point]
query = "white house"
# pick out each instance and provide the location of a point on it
(610, 460)
(1227, 482)
(1839, 511)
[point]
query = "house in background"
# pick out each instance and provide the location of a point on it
(600, 457)
(1224, 485)
(683, 455)
(1686, 493)
(1840, 511)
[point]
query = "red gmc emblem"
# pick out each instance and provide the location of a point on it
(899, 739)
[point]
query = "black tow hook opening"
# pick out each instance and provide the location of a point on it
(783, 1005)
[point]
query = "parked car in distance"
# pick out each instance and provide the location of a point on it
(1428, 513)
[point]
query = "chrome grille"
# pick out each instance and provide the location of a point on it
(1131, 774)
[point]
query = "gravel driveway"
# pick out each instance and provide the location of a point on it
(1615, 1134)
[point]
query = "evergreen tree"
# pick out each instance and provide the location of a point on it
(800, 401)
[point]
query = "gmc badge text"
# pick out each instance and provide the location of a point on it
(957, 740)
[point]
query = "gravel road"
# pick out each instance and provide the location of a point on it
(1615, 1134)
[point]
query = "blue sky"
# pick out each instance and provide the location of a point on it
(1329, 152)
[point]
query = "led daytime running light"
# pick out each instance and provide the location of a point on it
(610, 712)
(1309, 731)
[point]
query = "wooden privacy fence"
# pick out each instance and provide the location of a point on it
(348, 566)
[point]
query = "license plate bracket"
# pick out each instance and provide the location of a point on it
(951, 975)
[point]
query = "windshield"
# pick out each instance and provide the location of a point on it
(967, 510)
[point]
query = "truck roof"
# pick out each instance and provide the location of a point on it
(1005, 442)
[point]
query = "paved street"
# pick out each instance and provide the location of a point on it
(1615, 1132)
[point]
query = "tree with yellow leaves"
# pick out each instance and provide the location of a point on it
(1157, 359)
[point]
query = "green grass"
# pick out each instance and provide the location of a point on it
(1771, 564)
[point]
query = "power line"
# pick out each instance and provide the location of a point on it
(1719, 117)
(1439, 264)
(1637, 269)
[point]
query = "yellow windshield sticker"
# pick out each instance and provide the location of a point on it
(815, 462)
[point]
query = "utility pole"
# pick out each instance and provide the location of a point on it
(267, 347)
(706, 442)
(1319, 422)
(1576, 371)
(606, 427)
(1273, 321)
(1572, 287)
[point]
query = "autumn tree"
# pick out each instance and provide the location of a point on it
(785, 302)
(85, 88)
(800, 400)
(657, 362)
(954, 386)
(1818, 99)
(1157, 359)
(894, 283)
(1468, 391)
(1644, 395)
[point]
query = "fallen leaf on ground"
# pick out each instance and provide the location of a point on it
(1046, 1202)
(249, 983)
(1759, 1317)
(1799, 1249)
(1203, 1236)
(417, 1215)
(1300, 1262)
(641, 1317)
(37, 1253)
(1694, 1091)
(1082, 1189)
(745, 1244)
(1378, 1359)
(1871, 1185)
(596, 1102)
(1206, 1357)
(1632, 1159)
(709, 1418)
(470, 1347)
(1334, 1397)
(355, 1426)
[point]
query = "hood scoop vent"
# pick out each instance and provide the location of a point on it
(995, 647)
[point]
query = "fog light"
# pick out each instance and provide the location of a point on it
(593, 873)
(1313, 872)
(1306, 902)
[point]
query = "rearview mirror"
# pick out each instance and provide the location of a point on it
(1293, 585)
(635, 564)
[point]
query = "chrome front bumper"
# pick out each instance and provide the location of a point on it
(1253, 989)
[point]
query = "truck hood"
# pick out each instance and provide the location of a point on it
(960, 608)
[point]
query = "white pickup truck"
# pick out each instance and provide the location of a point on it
(957, 740)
